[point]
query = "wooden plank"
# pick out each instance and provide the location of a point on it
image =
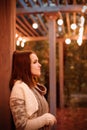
(23, 25)
(39, 38)
(61, 74)
(68, 23)
(22, 30)
(7, 46)
(40, 2)
(52, 64)
(42, 23)
(48, 9)
(29, 25)
(57, 2)
(33, 18)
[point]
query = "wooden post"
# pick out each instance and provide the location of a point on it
(61, 74)
(52, 63)
(7, 46)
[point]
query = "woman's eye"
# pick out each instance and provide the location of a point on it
(35, 61)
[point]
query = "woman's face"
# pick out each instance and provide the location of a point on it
(35, 65)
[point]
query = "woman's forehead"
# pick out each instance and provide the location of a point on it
(33, 56)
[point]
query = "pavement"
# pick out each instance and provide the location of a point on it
(72, 119)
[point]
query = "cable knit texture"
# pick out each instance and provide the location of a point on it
(28, 107)
(22, 91)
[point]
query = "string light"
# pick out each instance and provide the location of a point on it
(22, 44)
(20, 38)
(35, 25)
(73, 26)
(60, 22)
(20, 41)
(17, 42)
(16, 35)
(68, 41)
(79, 40)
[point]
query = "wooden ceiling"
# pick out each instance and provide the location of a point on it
(36, 11)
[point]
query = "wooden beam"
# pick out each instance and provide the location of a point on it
(52, 65)
(36, 38)
(73, 37)
(61, 17)
(61, 74)
(7, 46)
(40, 2)
(41, 38)
(48, 9)
(57, 2)
(74, 16)
(23, 25)
(29, 25)
(42, 23)
(33, 18)
(68, 22)
(38, 16)
(21, 30)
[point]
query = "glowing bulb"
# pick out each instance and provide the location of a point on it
(20, 38)
(16, 35)
(60, 22)
(35, 25)
(68, 41)
(59, 28)
(18, 43)
(73, 26)
(79, 41)
(23, 40)
(22, 44)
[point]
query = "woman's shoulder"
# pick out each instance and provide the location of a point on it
(17, 91)
(20, 84)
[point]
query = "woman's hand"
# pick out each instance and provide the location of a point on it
(49, 119)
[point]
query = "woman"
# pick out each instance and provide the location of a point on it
(27, 103)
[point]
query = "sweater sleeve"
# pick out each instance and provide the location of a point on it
(21, 118)
(18, 112)
(22, 91)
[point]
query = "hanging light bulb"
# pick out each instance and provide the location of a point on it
(20, 38)
(73, 26)
(16, 35)
(22, 44)
(79, 40)
(68, 41)
(59, 28)
(23, 40)
(35, 25)
(60, 22)
(17, 42)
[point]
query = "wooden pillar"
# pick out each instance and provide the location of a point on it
(52, 63)
(7, 46)
(61, 73)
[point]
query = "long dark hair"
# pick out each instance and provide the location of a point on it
(21, 68)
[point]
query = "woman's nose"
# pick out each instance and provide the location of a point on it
(39, 64)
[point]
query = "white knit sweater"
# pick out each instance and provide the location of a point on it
(27, 119)
(22, 91)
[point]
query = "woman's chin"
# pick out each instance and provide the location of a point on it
(39, 75)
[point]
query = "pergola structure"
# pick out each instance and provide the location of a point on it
(37, 11)
(17, 17)
(46, 13)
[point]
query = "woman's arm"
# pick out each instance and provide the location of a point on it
(23, 121)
